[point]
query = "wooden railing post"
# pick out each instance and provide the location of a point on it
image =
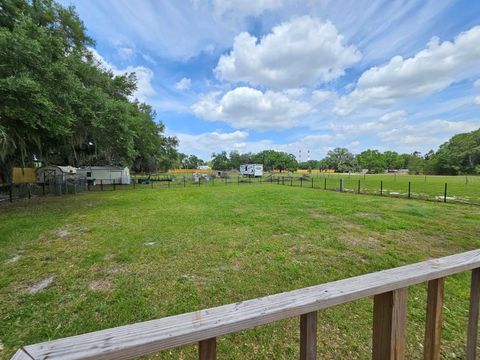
(473, 315)
(308, 336)
(207, 349)
(433, 324)
(389, 321)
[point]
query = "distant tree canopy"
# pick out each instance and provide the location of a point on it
(58, 105)
(188, 161)
(341, 160)
(459, 155)
(271, 160)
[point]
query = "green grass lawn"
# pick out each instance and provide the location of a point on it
(464, 189)
(127, 256)
(431, 187)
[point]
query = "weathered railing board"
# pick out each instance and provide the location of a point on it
(148, 337)
(389, 322)
(21, 355)
(308, 336)
(207, 349)
(433, 324)
(472, 332)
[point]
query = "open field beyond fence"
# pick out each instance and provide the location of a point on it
(126, 256)
(458, 189)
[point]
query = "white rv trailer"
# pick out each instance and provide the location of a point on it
(104, 174)
(254, 170)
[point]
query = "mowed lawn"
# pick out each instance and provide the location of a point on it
(126, 256)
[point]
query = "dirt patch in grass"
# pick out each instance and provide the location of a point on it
(63, 233)
(100, 285)
(41, 285)
(14, 259)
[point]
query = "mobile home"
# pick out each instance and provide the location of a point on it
(254, 170)
(105, 174)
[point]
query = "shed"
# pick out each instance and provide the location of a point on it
(105, 174)
(55, 173)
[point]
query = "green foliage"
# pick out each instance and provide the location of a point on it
(189, 161)
(460, 155)
(309, 165)
(271, 160)
(220, 161)
(372, 160)
(57, 104)
(393, 160)
(341, 160)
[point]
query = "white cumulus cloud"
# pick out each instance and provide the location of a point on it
(303, 51)
(433, 69)
(183, 84)
(205, 144)
(247, 108)
(476, 101)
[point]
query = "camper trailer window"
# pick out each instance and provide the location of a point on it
(89, 174)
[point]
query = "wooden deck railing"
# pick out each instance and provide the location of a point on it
(388, 288)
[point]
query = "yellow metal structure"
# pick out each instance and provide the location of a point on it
(24, 175)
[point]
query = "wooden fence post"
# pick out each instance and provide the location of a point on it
(409, 188)
(433, 324)
(389, 321)
(207, 349)
(445, 194)
(473, 315)
(308, 336)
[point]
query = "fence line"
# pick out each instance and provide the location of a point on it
(443, 192)
(389, 289)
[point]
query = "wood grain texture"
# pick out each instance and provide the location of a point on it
(21, 355)
(389, 322)
(433, 323)
(207, 349)
(129, 341)
(472, 331)
(308, 336)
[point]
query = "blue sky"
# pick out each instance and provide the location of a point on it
(297, 75)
